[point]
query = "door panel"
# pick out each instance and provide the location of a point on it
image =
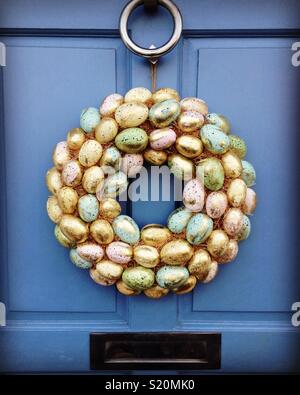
(52, 307)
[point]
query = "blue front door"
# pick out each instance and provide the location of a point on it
(236, 56)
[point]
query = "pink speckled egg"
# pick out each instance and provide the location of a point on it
(250, 202)
(161, 139)
(194, 195)
(132, 164)
(216, 204)
(119, 252)
(72, 173)
(233, 221)
(110, 104)
(231, 252)
(90, 251)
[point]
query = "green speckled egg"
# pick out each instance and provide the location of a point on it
(238, 146)
(126, 229)
(214, 140)
(211, 172)
(89, 119)
(248, 173)
(246, 229)
(138, 278)
(164, 113)
(132, 140)
(78, 261)
(172, 276)
(61, 238)
(178, 219)
(199, 228)
(219, 121)
(88, 208)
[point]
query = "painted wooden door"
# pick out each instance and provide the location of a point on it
(235, 55)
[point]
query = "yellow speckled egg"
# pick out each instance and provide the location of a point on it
(232, 165)
(236, 192)
(53, 180)
(189, 121)
(61, 238)
(155, 235)
(125, 290)
(96, 276)
(146, 256)
(139, 95)
(230, 253)
(74, 228)
(109, 208)
(72, 173)
(217, 243)
(156, 292)
(106, 130)
(233, 221)
(163, 94)
(109, 269)
(102, 231)
(189, 146)
(54, 211)
(92, 177)
(130, 115)
(194, 104)
(249, 204)
(216, 204)
(154, 157)
(90, 153)
(61, 155)
(176, 252)
(89, 251)
(200, 263)
(75, 138)
(110, 104)
(67, 199)
(181, 167)
(187, 287)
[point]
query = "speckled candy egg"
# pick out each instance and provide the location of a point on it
(194, 104)
(217, 243)
(236, 192)
(138, 278)
(238, 146)
(72, 173)
(102, 231)
(199, 228)
(246, 229)
(88, 208)
(90, 153)
(132, 164)
(110, 160)
(74, 228)
(213, 271)
(155, 235)
(54, 211)
(189, 121)
(214, 139)
(176, 252)
(99, 279)
(200, 264)
(232, 165)
(220, 121)
(154, 157)
(164, 113)
(75, 138)
(109, 269)
(126, 229)
(187, 287)
(79, 261)
(132, 140)
(110, 104)
(248, 173)
(249, 204)
(90, 251)
(189, 146)
(109, 208)
(163, 94)
(171, 276)
(216, 204)
(211, 172)
(139, 95)
(146, 256)
(92, 177)
(125, 290)
(61, 155)
(53, 180)
(89, 119)
(114, 185)
(62, 239)
(233, 221)
(156, 292)
(194, 195)
(178, 219)
(230, 253)
(130, 115)
(181, 167)
(106, 130)
(67, 199)
(161, 139)
(119, 252)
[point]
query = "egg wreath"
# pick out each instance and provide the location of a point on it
(158, 128)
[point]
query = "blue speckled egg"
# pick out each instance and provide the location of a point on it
(172, 276)
(89, 119)
(214, 139)
(88, 208)
(248, 173)
(246, 229)
(178, 219)
(164, 113)
(78, 261)
(126, 229)
(199, 228)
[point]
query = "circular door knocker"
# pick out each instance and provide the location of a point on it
(110, 145)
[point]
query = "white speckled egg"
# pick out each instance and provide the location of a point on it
(89, 119)
(88, 207)
(132, 164)
(216, 204)
(194, 104)
(61, 155)
(90, 251)
(233, 221)
(161, 139)
(130, 115)
(90, 153)
(72, 173)
(110, 104)
(119, 252)
(194, 195)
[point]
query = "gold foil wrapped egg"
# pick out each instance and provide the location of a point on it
(55, 213)
(189, 121)
(74, 228)
(110, 104)
(110, 160)
(109, 208)
(125, 290)
(156, 292)
(154, 157)
(61, 155)
(61, 238)
(216, 204)
(90, 153)
(53, 180)
(155, 235)
(138, 278)
(130, 115)
(181, 167)
(232, 165)
(217, 243)
(106, 130)
(249, 204)
(163, 94)
(72, 173)
(109, 269)
(236, 192)
(132, 140)
(213, 271)
(189, 146)
(194, 104)
(102, 231)
(92, 177)
(114, 185)
(233, 221)
(200, 263)
(176, 252)
(146, 256)
(230, 253)
(187, 287)
(162, 114)
(96, 276)
(220, 121)
(139, 95)
(67, 199)
(75, 138)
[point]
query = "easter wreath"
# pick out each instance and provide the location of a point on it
(159, 128)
